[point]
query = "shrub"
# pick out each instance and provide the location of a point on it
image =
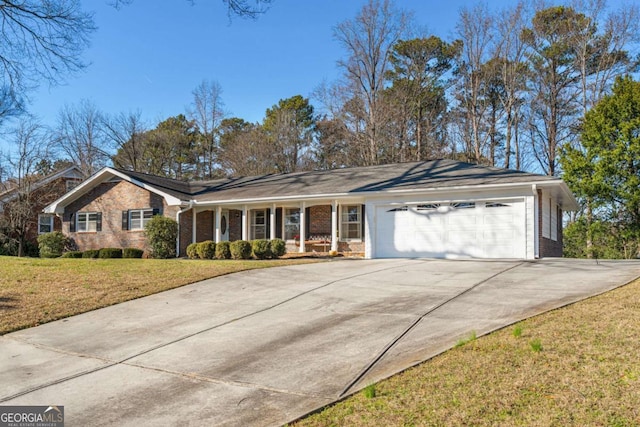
(132, 253)
(192, 250)
(52, 244)
(206, 249)
(110, 253)
(261, 248)
(240, 249)
(223, 250)
(278, 248)
(91, 253)
(161, 233)
(72, 254)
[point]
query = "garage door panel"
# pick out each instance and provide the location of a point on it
(452, 232)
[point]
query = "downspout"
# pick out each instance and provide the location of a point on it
(536, 215)
(190, 206)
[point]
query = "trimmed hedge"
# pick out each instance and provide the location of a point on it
(72, 254)
(91, 253)
(240, 249)
(206, 249)
(192, 251)
(278, 248)
(261, 248)
(223, 250)
(132, 253)
(110, 253)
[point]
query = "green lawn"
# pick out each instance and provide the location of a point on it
(576, 366)
(35, 291)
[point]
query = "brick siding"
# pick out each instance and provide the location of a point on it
(111, 199)
(549, 247)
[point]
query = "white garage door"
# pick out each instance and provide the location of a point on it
(481, 229)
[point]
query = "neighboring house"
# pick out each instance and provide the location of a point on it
(440, 208)
(41, 193)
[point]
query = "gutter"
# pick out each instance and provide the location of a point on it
(360, 194)
(536, 216)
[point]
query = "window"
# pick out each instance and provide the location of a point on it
(463, 205)
(291, 223)
(400, 209)
(45, 223)
(258, 224)
(351, 222)
(428, 207)
(138, 218)
(496, 205)
(88, 221)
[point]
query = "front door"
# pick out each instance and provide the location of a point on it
(224, 226)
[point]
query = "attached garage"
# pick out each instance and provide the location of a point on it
(458, 229)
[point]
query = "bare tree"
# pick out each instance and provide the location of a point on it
(30, 147)
(243, 151)
(511, 51)
(368, 40)
(475, 29)
(207, 110)
(81, 138)
(125, 133)
(41, 41)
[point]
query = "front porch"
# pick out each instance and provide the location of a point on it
(305, 227)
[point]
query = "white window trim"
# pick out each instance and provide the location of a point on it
(86, 215)
(253, 225)
(50, 218)
(142, 219)
(284, 223)
(342, 223)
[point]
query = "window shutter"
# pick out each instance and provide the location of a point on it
(72, 222)
(99, 221)
(362, 222)
(156, 211)
(279, 223)
(125, 220)
(307, 222)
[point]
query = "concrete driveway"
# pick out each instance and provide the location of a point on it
(264, 347)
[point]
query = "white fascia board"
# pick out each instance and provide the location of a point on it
(101, 176)
(524, 186)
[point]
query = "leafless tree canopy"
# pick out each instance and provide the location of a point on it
(40, 41)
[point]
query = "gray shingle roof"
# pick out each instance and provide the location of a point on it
(432, 174)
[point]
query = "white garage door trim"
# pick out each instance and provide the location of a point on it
(458, 229)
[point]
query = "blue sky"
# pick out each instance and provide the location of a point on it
(150, 55)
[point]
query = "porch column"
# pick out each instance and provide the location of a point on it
(272, 222)
(193, 226)
(303, 226)
(218, 226)
(245, 231)
(334, 225)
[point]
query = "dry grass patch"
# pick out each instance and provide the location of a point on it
(585, 371)
(35, 291)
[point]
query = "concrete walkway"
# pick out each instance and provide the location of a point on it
(266, 346)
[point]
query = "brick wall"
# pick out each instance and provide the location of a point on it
(548, 247)
(320, 220)
(110, 199)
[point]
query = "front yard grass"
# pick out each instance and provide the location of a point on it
(35, 291)
(576, 366)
